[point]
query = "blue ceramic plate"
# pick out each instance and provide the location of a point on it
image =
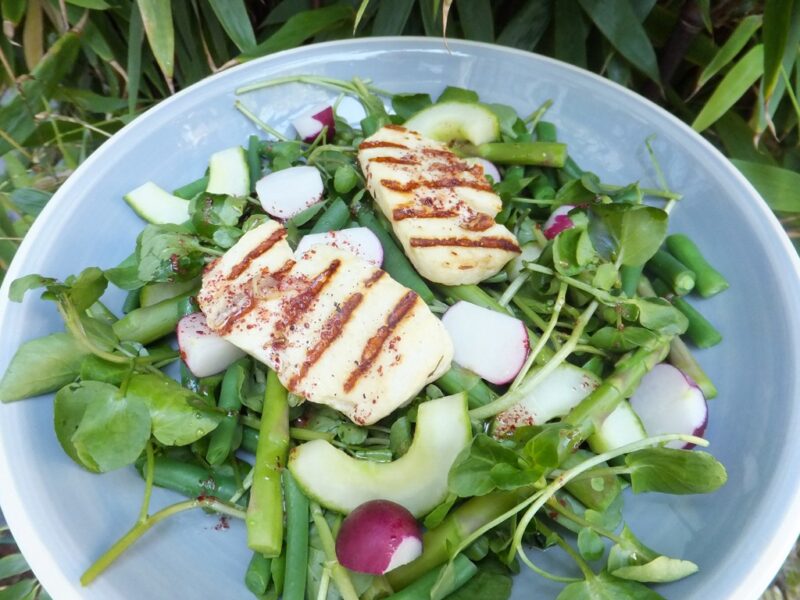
(64, 517)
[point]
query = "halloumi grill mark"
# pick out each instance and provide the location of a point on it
(337, 330)
(441, 208)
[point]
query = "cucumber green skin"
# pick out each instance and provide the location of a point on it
(456, 121)
(150, 202)
(417, 480)
(153, 293)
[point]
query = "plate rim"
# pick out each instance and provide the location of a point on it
(41, 561)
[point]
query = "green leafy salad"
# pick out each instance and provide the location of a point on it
(415, 352)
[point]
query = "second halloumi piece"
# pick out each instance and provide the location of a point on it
(441, 208)
(337, 330)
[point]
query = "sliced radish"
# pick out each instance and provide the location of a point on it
(285, 193)
(377, 537)
(311, 123)
(667, 401)
(203, 351)
(488, 167)
(558, 221)
(358, 240)
(489, 343)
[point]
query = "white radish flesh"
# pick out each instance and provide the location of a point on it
(667, 401)
(358, 240)
(285, 193)
(558, 221)
(377, 537)
(203, 351)
(486, 342)
(311, 123)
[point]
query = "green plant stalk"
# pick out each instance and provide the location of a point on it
(145, 325)
(294, 582)
(709, 281)
(542, 154)
(674, 273)
(463, 571)
(258, 575)
(265, 509)
(394, 261)
(338, 572)
(700, 330)
(141, 527)
(458, 379)
(334, 218)
(220, 443)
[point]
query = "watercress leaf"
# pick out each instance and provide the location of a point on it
(351, 434)
(657, 314)
(622, 340)
(400, 437)
(179, 416)
(29, 282)
(470, 473)
(406, 105)
(605, 276)
(630, 194)
(69, 407)
(94, 368)
(590, 545)
(42, 365)
(597, 493)
(85, 289)
(638, 230)
(437, 515)
(607, 587)
(610, 518)
(126, 274)
(210, 212)
(543, 449)
(113, 431)
(674, 471)
(507, 117)
(225, 237)
(661, 570)
(513, 183)
(509, 477)
(456, 94)
(574, 192)
(99, 332)
(306, 215)
(486, 585)
(168, 253)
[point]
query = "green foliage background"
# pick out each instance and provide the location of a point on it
(72, 72)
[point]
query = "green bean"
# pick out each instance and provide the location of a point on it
(546, 132)
(265, 509)
(702, 333)
(334, 218)
(462, 571)
(394, 261)
(145, 325)
(294, 585)
(190, 190)
(249, 439)
(709, 280)
(629, 279)
(673, 272)
(345, 179)
(278, 568)
(254, 160)
(257, 576)
(545, 154)
(221, 441)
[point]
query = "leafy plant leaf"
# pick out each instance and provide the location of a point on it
(779, 187)
(470, 474)
(590, 545)
(13, 564)
(638, 231)
(672, 471)
(31, 201)
(476, 19)
(743, 33)
(157, 19)
(527, 26)
(168, 253)
(658, 315)
(391, 17)
(607, 587)
(232, 15)
(777, 22)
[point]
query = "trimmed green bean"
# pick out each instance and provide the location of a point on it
(254, 160)
(220, 444)
(258, 574)
(334, 218)
(294, 584)
(249, 439)
(463, 570)
(394, 261)
(544, 154)
(145, 325)
(702, 333)
(265, 509)
(278, 568)
(672, 271)
(190, 190)
(546, 132)
(709, 280)
(629, 279)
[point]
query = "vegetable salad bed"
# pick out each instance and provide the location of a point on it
(530, 358)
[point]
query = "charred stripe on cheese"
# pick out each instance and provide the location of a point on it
(423, 212)
(374, 345)
(374, 278)
(439, 184)
(259, 250)
(394, 160)
(484, 242)
(379, 144)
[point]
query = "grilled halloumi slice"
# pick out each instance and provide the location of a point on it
(337, 330)
(441, 208)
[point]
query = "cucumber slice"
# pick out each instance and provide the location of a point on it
(554, 397)
(228, 173)
(153, 293)
(157, 206)
(621, 427)
(417, 480)
(449, 121)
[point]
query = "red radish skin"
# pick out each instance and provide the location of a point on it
(377, 537)
(310, 124)
(287, 192)
(357, 240)
(667, 401)
(203, 351)
(486, 342)
(558, 221)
